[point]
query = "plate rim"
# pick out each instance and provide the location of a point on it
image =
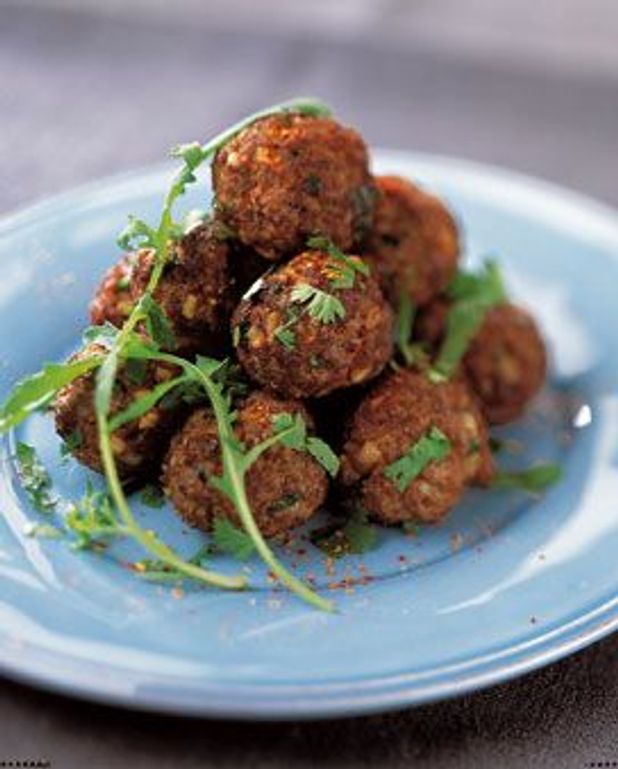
(365, 695)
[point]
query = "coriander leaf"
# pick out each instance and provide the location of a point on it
(158, 324)
(403, 328)
(286, 337)
(231, 540)
(474, 295)
(297, 435)
(321, 243)
(534, 480)
(137, 234)
(152, 496)
(322, 452)
(432, 447)
(321, 306)
(34, 478)
(35, 391)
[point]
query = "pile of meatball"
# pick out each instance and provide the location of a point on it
(229, 290)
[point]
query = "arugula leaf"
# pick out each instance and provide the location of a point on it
(195, 153)
(403, 328)
(432, 447)
(321, 306)
(137, 234)
(534, 480)
(231, 540)
(145, 403)
(474, 295)
(158, 324)
(35, 392)
(34, 478)
(152, 496)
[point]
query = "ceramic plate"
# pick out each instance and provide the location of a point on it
(510, 583)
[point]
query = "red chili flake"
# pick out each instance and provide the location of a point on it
(402, 559)
(301, 551)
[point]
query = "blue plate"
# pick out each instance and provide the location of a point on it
(509, 584)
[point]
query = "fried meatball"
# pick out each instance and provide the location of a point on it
(139, 445)
(287, 345)
(113, 302)
(404, 408)
(506, 362)
(290, 176)
(414, 245)
(285, 487)
(195, 290)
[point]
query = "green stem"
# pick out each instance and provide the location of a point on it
(236, 477)
(146, 539)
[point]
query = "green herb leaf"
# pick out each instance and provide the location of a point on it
(157, 323)
(231, 540)
(152, 496)
(34, 478)
(286, 337)
(474, 295)
(137, 234)
(321, 306)
(432, 447)
(104, 335)
(403, 329)
(70, 445)
(35, 392)
(145, 403)
(534, 480)
(92, 519)
(344, 267)
(322, 452)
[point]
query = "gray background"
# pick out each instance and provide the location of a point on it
(92, 88)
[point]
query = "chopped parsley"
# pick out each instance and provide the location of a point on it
(70, 445)
(286, 337)
(287, 500)
(344, 268)
(34, 478)
(403, 329)
(432, 447)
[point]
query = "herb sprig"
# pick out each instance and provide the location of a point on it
(473, 296)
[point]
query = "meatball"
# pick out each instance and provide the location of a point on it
(403, 409)
(414, 245)
(290, 176)
(139, 445)
(113, 302)
(301, 335)
(195, 290)
(285, 487)
(506, 362)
